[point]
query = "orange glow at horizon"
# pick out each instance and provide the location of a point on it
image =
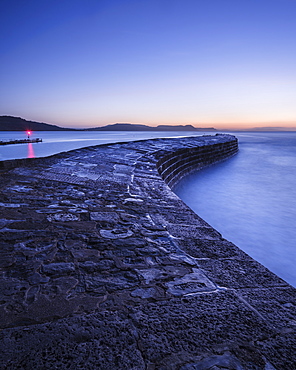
(206, 64)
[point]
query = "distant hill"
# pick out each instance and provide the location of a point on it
(138, 127)
(9, 123)
(121, 127)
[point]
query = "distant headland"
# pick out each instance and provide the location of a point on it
(10, 123)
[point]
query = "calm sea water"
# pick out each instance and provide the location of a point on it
(249, 198)
(59, 141)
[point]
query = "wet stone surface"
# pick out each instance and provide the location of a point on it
(102, 266)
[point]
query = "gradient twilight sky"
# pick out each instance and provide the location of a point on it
(221, 63)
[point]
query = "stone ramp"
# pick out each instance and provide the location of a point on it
(104, 267)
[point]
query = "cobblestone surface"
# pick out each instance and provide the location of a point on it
(104, 267)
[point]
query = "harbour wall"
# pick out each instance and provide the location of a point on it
(103, 266)
(174, 166)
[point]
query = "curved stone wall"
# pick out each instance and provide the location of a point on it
(174, 166)
(103, 267)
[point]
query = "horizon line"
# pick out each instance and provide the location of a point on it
(247, 126)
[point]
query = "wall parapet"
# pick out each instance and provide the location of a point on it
(181, 162)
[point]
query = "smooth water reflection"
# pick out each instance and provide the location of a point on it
(60, 141)
(251, 199)
(30, 151)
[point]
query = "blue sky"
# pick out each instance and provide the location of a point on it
(221, 63)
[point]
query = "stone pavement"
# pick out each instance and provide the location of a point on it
(104, 267)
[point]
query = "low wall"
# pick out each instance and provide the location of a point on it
(174, 166)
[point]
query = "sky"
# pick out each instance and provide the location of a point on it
(209, 63)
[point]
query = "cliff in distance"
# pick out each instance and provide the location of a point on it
(138, 127)
(10, 123)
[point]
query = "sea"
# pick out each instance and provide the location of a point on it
(249, 198)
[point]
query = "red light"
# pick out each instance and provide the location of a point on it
(29, 132)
